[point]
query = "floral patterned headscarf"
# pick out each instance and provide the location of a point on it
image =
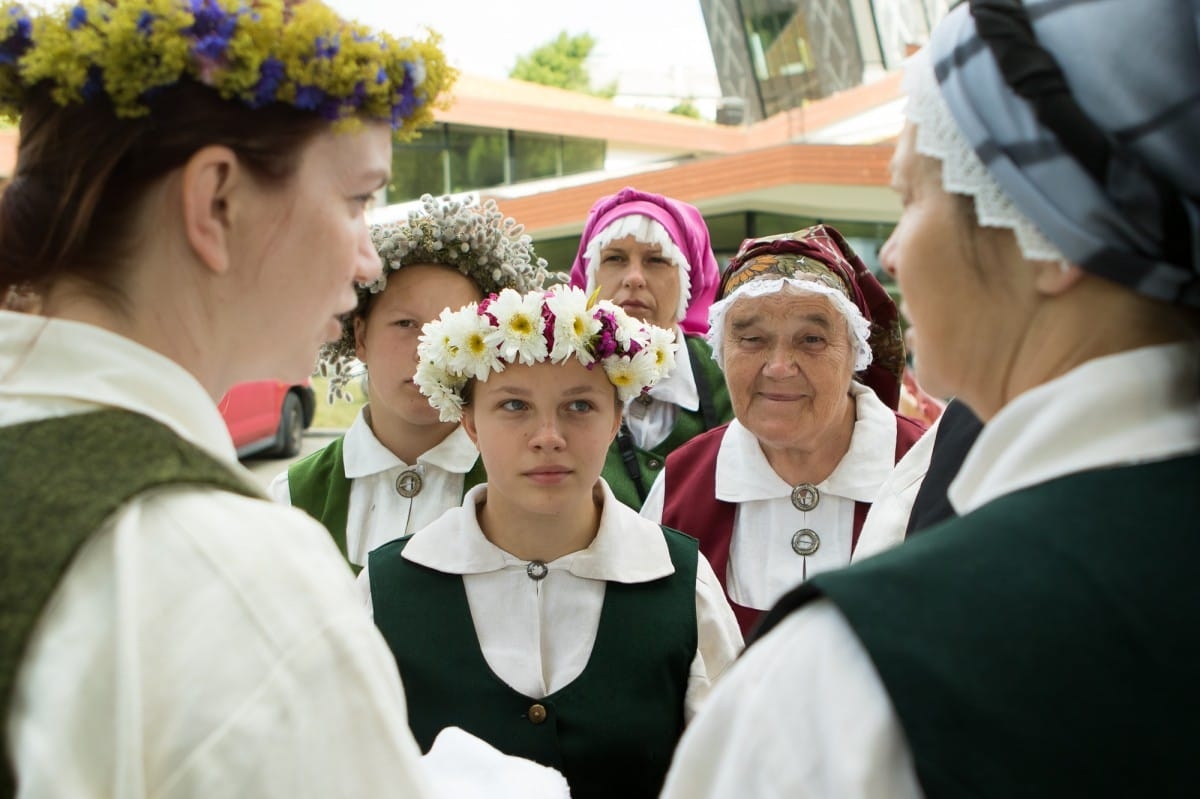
(821, 258)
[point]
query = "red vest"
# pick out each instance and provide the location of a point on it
(690, 504)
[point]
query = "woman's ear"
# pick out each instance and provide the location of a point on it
(468, 424)
(1055, 277)
(360, 338)
(209, 181)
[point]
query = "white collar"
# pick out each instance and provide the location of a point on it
(626, 549)
(744, 475)
(1136, 406)
(363, 454)
(679, 386)
(61, 367)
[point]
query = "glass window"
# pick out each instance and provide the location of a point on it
(582, 155)
(477, 158)
(535, 156)
(418, 167)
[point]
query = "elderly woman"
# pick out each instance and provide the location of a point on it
(1045, 642)
(650, 255)
(811, 349)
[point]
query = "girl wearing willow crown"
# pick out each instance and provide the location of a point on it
(187, 207)
(543, 615)
(399, 466)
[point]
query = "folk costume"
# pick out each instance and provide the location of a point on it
(359, 489)
(164, 629)
(590, 663)
(720, 488)
(995, 654)
(693, 398)
(165, 577)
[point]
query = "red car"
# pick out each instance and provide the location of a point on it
(268, 417)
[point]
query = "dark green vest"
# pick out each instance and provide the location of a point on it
(1048, 644)
(318, 485)
(710, 382)
(611, 731)
(62, 478)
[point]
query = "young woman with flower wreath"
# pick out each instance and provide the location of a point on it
(543, 615)
(399, 466)
(187, 208)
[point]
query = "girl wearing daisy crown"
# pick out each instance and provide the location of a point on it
(543, 615)
(399, 466)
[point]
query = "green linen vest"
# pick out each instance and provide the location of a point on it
(318, 485)
(1047, 644)
(611, 731)
(710, 381)
(63, 477)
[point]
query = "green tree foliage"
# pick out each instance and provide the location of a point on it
(562, 62)
(686, 108)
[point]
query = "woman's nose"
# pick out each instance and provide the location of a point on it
(635, 274)
(887, 255)
(369, 266)
(781, 362)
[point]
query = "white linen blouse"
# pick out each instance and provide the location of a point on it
(201, 643)
(377, 513)
(537, 635)
(810, 679)
(762, 564)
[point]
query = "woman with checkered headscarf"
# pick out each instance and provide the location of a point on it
(1045, 642)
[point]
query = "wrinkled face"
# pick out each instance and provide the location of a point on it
(638, 278)
(788, 364)
(306, 244)
(962, 287)
(386, 340)
(543, 432)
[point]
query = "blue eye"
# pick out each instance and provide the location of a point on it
(513, 405)
(580, 406)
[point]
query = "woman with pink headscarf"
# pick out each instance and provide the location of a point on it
(651, 255)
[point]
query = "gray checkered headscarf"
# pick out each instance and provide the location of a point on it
(1110, 181)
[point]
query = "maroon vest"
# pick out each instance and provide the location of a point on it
(690, 504)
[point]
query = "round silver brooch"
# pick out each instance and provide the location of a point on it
(409, 483)
(536, 570)
(805, 496)
(805, 542)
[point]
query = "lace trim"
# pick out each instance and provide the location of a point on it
(860, 328)
(938, 137)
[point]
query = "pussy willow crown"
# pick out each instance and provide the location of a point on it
(556, 325)
(477, 240)
(257, 52)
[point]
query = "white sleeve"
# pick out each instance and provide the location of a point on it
(887, 520)
(280, 489)
(363, 581)
(801, 715)
(652, 508)
(207, 644)
(718, 637)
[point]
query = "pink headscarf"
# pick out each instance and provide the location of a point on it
(683, 224)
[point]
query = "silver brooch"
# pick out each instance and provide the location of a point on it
(805, 542)
(805, 496)
(409, 483)
(536, 570)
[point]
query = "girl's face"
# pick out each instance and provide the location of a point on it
(638, 278)
(304, 246)
(386, 339)
(543, 432)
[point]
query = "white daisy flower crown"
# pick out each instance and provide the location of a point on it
(511, 327)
